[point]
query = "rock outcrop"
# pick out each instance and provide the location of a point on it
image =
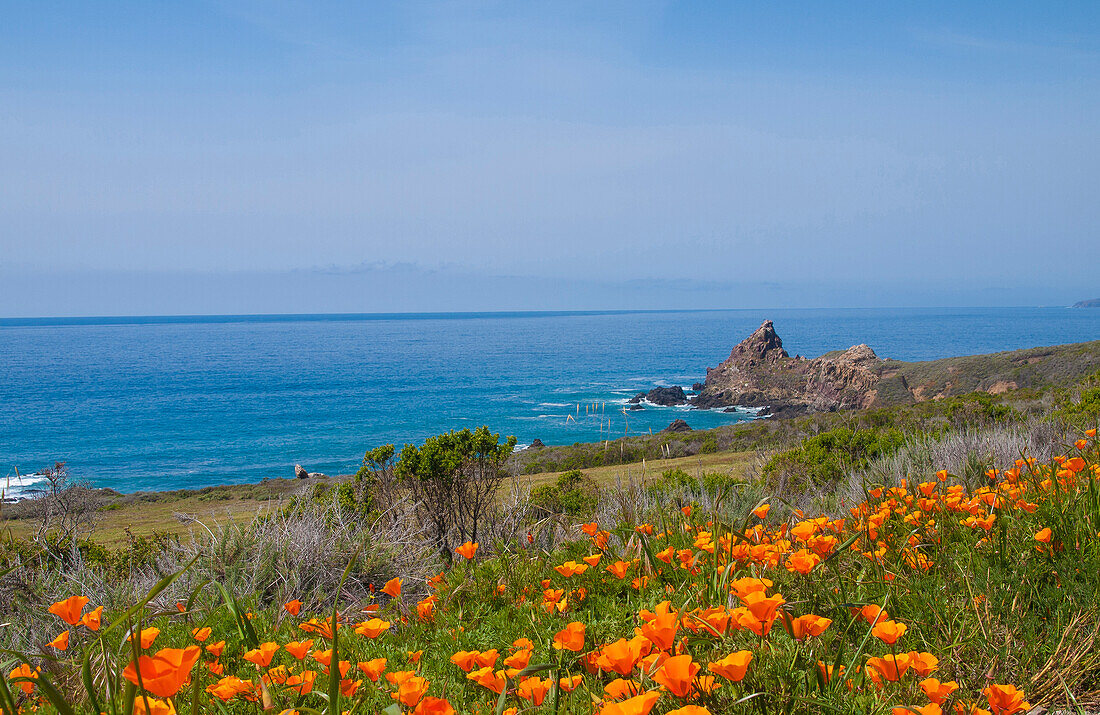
(300, 472)
(678, 426)
(760, 373)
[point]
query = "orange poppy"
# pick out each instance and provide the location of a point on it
(807, 626)
(201, 634)
(637, 705)
(936, 691)
(1005, 699)
(373, 669)
(293, 607)
(923, 664)
(620, 689)
(467, 550)
(215, 649)
(677, 675)
(690, 710)
(165, 672)
(372, 628)
(519, 659)
(433, 706)
(262, 655)
(761, 511)
(156, 707)
(570, 638)
(619, 569)
(487, 678)
(1043, 535)
(61, 642)
(593, 560)
(623, 655)
(465, 659)
(298, 649)
(733, 666)
(303, 682)
(69, 610)
(93, 618)
(534, 689)
(148, 635)
(24, 671)
(392, 588)
(411, 690)
(891, 667)
(889, 631)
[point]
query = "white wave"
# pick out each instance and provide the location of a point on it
(22, 486)
(556, 404)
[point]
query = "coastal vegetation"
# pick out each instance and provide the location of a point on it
(941, 591)
(941, 556)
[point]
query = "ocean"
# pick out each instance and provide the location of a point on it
(186, 402)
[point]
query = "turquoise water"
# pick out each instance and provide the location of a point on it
(165, 403)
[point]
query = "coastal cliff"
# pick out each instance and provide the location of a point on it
(760, 373)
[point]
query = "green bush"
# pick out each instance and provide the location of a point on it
(827, 457)
(574, 493)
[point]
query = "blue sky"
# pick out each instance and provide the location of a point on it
(480, 155)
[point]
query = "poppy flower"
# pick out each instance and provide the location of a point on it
(733, 666)
(467, 550)
(433, 706)
(620, 689)
(534, 689)
(155, 707)
(590, 528)
(165, 672)
(802, 561)
(349, 686)
(373, 669)
(465, 659)
(623, 655)
(677, 675)
(889, 631)
(215, 649)
(1043, 536)
(746, 585)
(1005, 699)
(891, 667)
(293, 607)
(372, 628)
(411, 690)
(69, 610)
(93, 618)
(761, 511)
(936, 691)
(593, 560)
(619, 569)
(690, 709)
(570, 684)
(303, 682)
(262, 655)
(487, 678)
(229, 687)
(929, 709)
(24, 671)
(201, 634)
(392, 588)
(807, 626)
(662, 627)
(61, 642)
(871, 613)
(923, 664)
(298, 649)
(487, 658)
(570, 638)
(519, 659)
(571, 568)
(148, 635)
(637, 705)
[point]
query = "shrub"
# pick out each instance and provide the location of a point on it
(827, 457)
(574, 494)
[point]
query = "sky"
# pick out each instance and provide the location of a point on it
(274, 156)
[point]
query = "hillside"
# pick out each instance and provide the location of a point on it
(759, 373)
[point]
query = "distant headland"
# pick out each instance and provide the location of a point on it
(759, 373)
(1093, 303)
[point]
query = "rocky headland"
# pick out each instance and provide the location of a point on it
(760, 373)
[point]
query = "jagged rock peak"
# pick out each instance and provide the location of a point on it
(763, 344)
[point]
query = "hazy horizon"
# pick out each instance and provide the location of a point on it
(240, 157)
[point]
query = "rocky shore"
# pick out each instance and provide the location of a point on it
(760, 373)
